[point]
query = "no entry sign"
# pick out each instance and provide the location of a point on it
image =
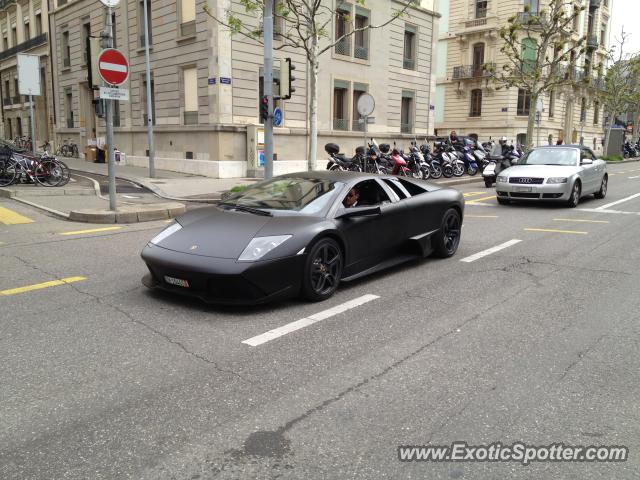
(113, 66)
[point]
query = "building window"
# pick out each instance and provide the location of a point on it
(141, 22)
(188, 17)
(409, 57)
(17, 99)
(278, 19)
(27, 32)
(358, 90)
(9, 133)
(478, 60)
(66, 50)
(552, 103)
(524, 102)
(116, 114)
(5, 40)
(190, 84)
(143, 105)
(603, 35)
(407, 111)
(532, 6)
(343, 47)
(340, 105)
(476, 103)
(38, 24)
(62, 2)
(596, 113)
(86, 33)
(7, 95)
(19, 126)
(361, 39)
(14, 36)
(68, 107)
(481, 8)
(583, 110)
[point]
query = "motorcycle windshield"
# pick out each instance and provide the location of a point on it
(497, 150)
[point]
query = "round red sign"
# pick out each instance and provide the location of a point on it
(113, 66)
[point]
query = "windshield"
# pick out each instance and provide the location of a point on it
(550, 156)
(303, 195)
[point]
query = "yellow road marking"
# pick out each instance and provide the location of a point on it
(481, 199)
(9, 217)
(580, 220)
(481, 216)
(555, 231)
(39, 286)
(93, 230)
(471, 194)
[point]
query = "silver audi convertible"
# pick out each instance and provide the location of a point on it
(563, 173)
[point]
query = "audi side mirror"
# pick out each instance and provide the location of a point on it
(586, 161)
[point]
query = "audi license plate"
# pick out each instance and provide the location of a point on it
(524, 189)
(178, 282)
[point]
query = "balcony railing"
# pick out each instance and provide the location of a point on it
(592, 41)
(476, 22)
(70, 123)
(34, 42)
(531, 18)
(357, 126)
(7, 101)
(481, 13)
(340, 124)
(5, 3)
(598, 83)
(18, 100)
(473, 71)
(361, 52)
(343, 47)
(409, 64)
(406, 128)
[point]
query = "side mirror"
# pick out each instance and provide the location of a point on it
(586, 161)
(359, 212)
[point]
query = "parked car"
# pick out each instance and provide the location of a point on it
(563, 173)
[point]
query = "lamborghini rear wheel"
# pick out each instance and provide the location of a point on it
(322, 270)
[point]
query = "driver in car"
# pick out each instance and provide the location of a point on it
(351, 200)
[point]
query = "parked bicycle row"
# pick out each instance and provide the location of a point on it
(65, 149)
(447, 158)
(20, 166)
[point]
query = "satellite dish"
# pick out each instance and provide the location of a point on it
(366, 105)
(110, 3)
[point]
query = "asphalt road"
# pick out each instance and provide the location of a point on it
(537, 343)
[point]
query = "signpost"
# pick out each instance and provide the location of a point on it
(278, 117)
(366, 105)
(113, 67)
(29, 84)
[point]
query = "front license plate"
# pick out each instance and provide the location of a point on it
(524, 189)
(178, 282)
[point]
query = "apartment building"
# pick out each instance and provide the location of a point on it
(206, 83)
(467, 100)
(24, 28)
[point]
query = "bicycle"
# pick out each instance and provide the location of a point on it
(46, 170)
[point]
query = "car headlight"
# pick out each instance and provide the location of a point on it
(260, 246)
(501, 179)
(557, 180)
(171, 229)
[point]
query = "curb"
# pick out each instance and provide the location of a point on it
(6, 193)
(626, 160)
(129, 214)
(52, 211)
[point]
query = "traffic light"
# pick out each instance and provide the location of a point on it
(264, 109)
(286, 80)
(100, 110)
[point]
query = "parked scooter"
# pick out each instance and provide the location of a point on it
(499, 160)
(339, 161)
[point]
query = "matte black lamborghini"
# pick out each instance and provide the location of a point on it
(293, 235)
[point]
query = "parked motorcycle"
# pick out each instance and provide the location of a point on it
(339, 161)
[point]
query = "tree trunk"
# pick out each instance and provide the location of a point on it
(313, 107)
(531, 121)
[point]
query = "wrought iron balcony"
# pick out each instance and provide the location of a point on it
(29, 44)
(343, 47)
(6, 3)
(592, 41)
(598, 83)
(340, 124)
(357, 126)
(531, 18)
(18, 100)
(473, 71)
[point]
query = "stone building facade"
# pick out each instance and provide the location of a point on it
(207, 84)
(468, 101)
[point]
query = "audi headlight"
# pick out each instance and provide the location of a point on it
(171, 229)
(501, 179)
(557, 180)
(260, 246)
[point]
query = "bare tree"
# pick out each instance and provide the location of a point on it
(540, 55)
(307, 26)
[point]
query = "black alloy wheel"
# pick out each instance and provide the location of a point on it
(447, 241)
(323, 270)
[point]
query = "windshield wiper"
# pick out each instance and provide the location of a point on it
(245, 208)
